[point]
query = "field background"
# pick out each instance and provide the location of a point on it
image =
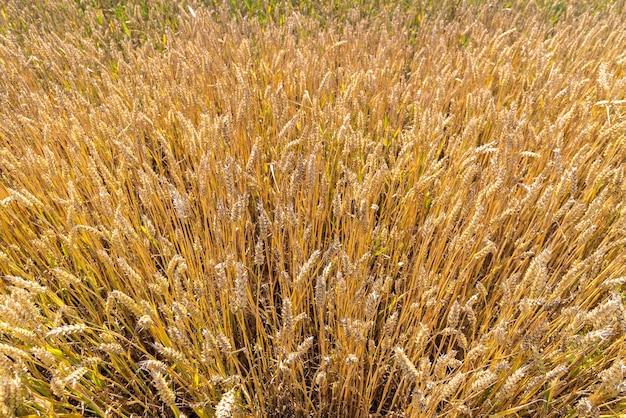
(264, 208)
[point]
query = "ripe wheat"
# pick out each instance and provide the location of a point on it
(308, 208)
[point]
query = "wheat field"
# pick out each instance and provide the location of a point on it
(312, 209)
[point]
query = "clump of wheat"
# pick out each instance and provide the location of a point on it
(273, 209)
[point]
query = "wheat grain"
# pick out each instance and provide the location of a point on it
(66, 330)
(166, 394)
(10, 395)
(226, 405)
(407, 366)
(452, 385)
(511, 383)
